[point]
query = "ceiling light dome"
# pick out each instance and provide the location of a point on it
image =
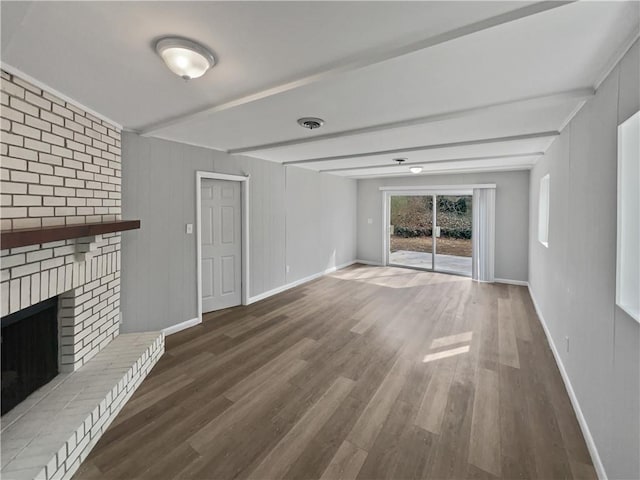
(184, 57)
(415, 169)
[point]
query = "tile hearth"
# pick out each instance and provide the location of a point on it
(50, 433)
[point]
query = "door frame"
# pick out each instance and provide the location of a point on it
(244, 200)
(426, 190)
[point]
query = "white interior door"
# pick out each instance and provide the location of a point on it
(221, 231)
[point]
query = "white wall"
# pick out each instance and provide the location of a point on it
(512, 213)
(573, 281)
(298, 218)
(321, 222)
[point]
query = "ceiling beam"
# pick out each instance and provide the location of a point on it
(580, 94)
(484, 141)
(359, 61)
(516, 168)
(432, 162)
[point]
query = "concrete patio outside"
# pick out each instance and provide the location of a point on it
(445, 263)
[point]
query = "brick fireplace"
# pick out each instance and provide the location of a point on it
(88, 290)
(61, 165)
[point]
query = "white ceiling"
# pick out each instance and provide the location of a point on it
(454, 86)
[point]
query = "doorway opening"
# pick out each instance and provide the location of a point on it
(431, 231)
(222, 236)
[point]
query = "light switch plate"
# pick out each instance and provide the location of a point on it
(189, 228)
(369, 221)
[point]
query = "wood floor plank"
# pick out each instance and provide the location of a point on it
(346, 463)
(583, 471)
(117, 453)
(484, 446)
(567, 422)
(515, 428)
(89, 471)
(450, 456)
(507, 347)
(278, 461)
(415, 451)
(436, 396)
(475, 473)
(323, 447)
(548, 446)
(169, 465)
(383, 455)
(178, 424)
(235, 452)
(487, 310)
(372, 368)
(371, 372)
(370, 422)
(141, 402)
(245, 406)
(521, 316)
(270, 370)
(366, 317)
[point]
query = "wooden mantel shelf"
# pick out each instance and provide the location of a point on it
(33, 236)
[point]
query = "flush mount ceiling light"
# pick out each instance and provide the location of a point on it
(310, 122)
(415, 169)
(184, 57)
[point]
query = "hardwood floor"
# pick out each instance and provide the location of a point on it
(367, 373)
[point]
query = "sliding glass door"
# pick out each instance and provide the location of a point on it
(453, 234)
(410, 232)
(431, 232)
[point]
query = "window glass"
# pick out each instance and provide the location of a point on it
(543, 211)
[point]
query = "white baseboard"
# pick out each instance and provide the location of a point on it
(288, 286)
(368, 262)
(591, 445)
(181, 326)
(512, 282)
(496, 280)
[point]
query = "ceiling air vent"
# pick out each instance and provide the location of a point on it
(310, 122)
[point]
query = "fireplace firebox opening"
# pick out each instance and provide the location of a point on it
(29, 351)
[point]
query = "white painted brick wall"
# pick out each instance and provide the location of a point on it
(60, 165)
(46, 141)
